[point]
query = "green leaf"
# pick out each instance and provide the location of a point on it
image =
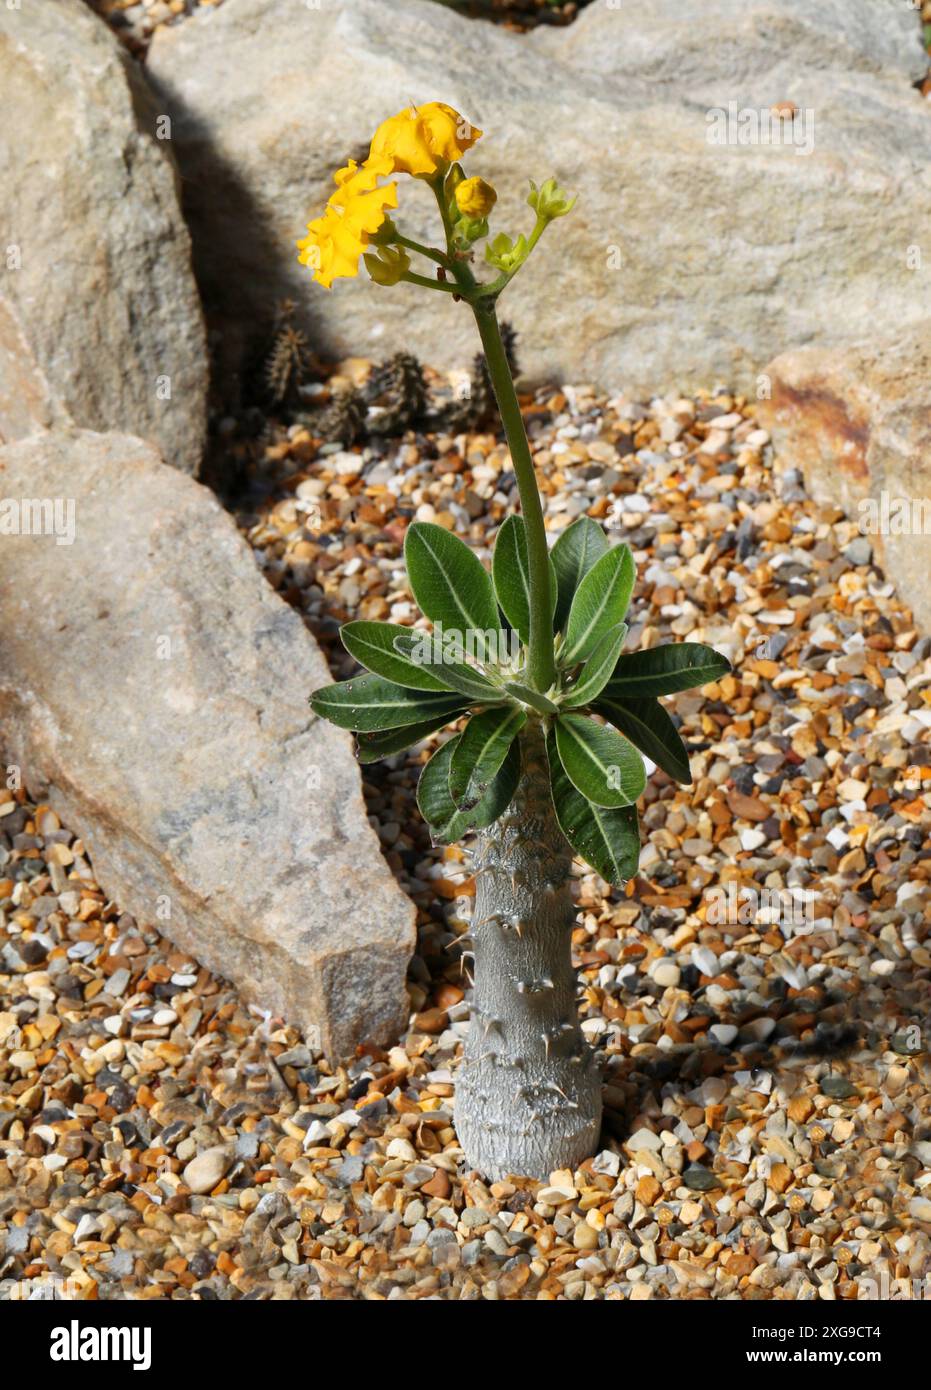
(573, 555)
(428, 655)
(608, 840)
(371, 747)
(511, 574)
(510, 569)
(451, 586)
(602, 765)
(531, 697)
(372, 645)
(647, 725)
(480, 751)
(663, 670)
(596, 672)
(445, 819)
(368, 703)
(600, 604)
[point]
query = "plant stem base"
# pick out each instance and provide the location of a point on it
(528, 1091)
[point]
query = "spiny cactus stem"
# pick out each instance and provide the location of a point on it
(525, 995)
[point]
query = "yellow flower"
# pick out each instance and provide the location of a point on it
(475, 197)
(356, 211)
(421, 138)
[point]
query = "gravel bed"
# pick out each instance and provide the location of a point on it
(768, 1121)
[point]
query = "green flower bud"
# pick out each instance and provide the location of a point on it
(452, 181)
(549, 200)
(469, 229)
(386, 233)
(388, 266)
(506, 254)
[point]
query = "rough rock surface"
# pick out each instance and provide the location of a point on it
(684, 260)
(96, 291)
(857, 421)
(154, 688)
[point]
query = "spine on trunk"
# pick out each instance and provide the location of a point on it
(528, 1092)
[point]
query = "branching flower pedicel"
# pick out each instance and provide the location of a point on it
(551, 759)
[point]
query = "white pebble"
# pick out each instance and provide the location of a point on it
(665, 973)
(705, 960)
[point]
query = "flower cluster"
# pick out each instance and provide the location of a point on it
(424, 142)
(421, 141)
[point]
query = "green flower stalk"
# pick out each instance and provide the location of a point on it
(550, 763)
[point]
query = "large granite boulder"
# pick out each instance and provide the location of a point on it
(100, 320)
(153, 688)
(857, 421)
(690, 257)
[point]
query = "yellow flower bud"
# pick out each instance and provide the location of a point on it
(475, 198)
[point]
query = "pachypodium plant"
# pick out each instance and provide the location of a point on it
(548, 764)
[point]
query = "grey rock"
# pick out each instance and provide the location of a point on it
(661, 276)
(644, 1139)
(475, 1216)
(700, 1179)
(120, 1264)
(753, 46)
(496, 1242)
(317, 1133)
(156, 685)
(859, 552)
(419, 1233)
(17, 1240)
(99, 313)
(294, 1057)
(247, 1145)
(441, 1236)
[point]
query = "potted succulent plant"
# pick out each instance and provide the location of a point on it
(548, 764)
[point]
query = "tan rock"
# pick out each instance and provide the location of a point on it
(204, 1172)
(153, 689)
(857, 422)
(800, 1109)
(648, 1189)
(780, 1176)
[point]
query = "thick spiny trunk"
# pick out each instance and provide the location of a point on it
(528, 1092)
